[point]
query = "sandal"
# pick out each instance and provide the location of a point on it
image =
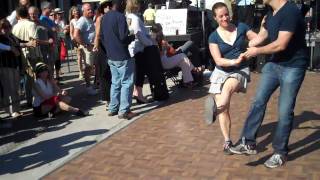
(16, 115)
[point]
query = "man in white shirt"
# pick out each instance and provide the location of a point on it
(25, 30)
(13, 16)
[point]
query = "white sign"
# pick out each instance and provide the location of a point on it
(173, 21)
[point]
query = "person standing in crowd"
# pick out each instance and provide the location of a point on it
(59, 20)
(46, 8)
(284, 26)
(26, 30)
(115, 38)
(62, 30)
(10, 69)
(136, 48)
(45, 39)
(147, 57)
(48, 97)
(84, 34)
(245, 11)
(13, 16)
(104, 72)
(231, 74)
(52, 17)
(149, 15)
(74, 15)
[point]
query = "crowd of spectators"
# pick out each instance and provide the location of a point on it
(111, 43)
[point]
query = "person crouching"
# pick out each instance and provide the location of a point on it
(48, 97)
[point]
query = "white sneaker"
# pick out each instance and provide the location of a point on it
(81, 76)
(91, 91)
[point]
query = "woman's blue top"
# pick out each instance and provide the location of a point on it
(232, 51)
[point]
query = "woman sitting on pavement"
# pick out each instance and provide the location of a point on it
(48, 97)
(231, 73)
(171, 58)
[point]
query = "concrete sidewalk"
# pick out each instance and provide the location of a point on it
(35, 147)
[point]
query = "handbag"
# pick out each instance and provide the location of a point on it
(63, 51)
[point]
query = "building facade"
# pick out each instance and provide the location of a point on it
(7, 6)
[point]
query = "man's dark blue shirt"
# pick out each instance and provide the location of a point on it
(288, 18)
(114, 36)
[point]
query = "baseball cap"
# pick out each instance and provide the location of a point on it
(58, 11)
(40, 67)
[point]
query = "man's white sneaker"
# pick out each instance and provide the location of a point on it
(276, 160)
(81, 76)
(91, 91)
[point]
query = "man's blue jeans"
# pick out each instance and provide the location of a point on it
(289, 79)
(122, 73)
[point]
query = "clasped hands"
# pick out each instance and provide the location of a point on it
(251, 52)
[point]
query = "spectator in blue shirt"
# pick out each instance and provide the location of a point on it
(46, 8)
(284, 26)
(115, 39)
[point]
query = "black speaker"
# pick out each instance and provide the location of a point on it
(315, 57)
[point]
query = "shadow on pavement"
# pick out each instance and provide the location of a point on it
(28, 126)
(44, 152)
(307, 145)
(183, 94)
(69, 77)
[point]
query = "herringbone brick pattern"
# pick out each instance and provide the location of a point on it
(173, 142)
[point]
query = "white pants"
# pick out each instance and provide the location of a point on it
(179, 60)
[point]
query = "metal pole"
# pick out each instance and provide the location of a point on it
(203, 28)
(316, 14)
(68, 63)
(311, 58)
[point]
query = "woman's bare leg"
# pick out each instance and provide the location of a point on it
(223, 103)
(79, 61)
(137, 92)
(66, 107)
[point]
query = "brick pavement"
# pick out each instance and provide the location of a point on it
(173, 142)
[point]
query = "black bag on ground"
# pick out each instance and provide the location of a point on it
(198, 78)
(155, 74)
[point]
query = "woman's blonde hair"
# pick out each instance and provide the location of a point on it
(132, 6)
(71, 10)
